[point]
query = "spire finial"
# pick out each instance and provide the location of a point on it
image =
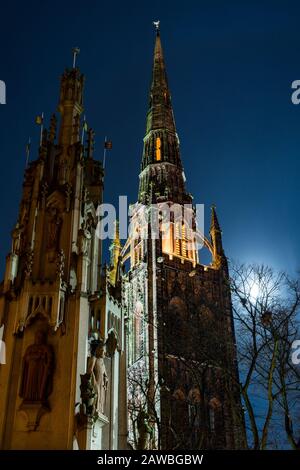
(75, 52)
(156, 25)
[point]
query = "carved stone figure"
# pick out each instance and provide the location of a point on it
(17, 239)
(84, 240)
(37, 373)
(29, 263)
(97, 370)
(88, 394)
(111, 344)
(144, 429)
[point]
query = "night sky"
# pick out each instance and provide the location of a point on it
(230, 67)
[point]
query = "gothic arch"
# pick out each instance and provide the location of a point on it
(214, 409)
(39, 307)
(56, 200)
(38, 315)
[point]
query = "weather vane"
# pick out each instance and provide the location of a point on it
(156, 24)
(75, 51)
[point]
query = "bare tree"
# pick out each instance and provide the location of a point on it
(265, 306)
(144, 422)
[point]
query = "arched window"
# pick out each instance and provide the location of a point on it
(194, 402)
(138, 346)
(183, 241)
(177, 239)
(158, 149)
(214, 409)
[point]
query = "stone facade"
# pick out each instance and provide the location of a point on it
(63, 328)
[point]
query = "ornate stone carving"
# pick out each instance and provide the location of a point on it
(29, 263)
(145, 430)
(17, 239)
(36, 381)
(60, 264)
(111, 344)
(84, 240)
(37, 373)
(88, 395)
(44, 193)
(97, 370)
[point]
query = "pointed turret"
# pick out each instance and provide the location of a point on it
(216, 238)
(70, 105)
(214, 226)
(161, 162)
(115, 250)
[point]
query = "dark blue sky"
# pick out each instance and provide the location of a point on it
(230, 67)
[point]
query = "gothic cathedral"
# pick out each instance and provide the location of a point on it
(139, 354)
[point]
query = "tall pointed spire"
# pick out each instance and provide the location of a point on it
(214, 226)
(160, 113)
(216, 239)
(161, 143)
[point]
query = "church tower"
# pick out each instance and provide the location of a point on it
(181, 358)
(61, 316)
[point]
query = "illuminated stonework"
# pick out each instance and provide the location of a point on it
(178, 312)
(54, 289)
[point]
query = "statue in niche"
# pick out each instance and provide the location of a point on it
(37, 373)
(17, 239)
(97, 370)
(84, 239)
(54, 229)
(88, 395)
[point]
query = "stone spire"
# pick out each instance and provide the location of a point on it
(216, 238)
(70, 105)
(160, 113)
(161, 162)
(214, 226)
